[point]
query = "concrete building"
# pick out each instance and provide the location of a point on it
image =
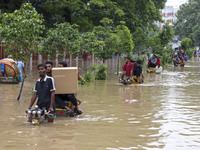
(169, 14)
(170, 11)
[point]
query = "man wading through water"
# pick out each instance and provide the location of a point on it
(44, 89)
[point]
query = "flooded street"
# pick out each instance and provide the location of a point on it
(163, 113)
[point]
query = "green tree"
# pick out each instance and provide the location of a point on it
(104, 34)
(140, 39)
(161, 39)
(64, 37)
(196, 34)
(187, 25)
(21, 31)
(186, 44)
(159, 43)
(60, 11)
(89, 43)
(123, 43)
(139, 15)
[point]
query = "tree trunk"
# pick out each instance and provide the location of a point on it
(39, 58)
(31, 62)
(82, 64)
(64, 55)
(92, 58)
(70, 60)
(77, 61)
(56, 58)
(67, 15)
(117, 63)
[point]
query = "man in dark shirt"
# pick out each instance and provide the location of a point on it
(44, 89)
(137, 70)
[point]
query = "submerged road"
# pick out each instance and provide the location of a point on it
(161, 114)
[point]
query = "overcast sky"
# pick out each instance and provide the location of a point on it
(175, 3)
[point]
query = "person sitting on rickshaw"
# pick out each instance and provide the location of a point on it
(152, 61)
(137, 71)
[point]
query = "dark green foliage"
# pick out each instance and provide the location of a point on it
(101, 72)
(9, 6)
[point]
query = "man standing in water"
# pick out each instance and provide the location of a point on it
(21, 68)
(128, 68)
(44, 89)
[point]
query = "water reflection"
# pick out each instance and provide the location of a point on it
(162, 113)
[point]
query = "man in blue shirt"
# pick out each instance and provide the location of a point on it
(21, 68)
(137, 70)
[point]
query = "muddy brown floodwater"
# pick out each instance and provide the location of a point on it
(161, 114)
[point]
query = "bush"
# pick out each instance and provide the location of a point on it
(89, 76)
(83, 82)
(101, 72)
(166, 56)
(190, 51)
(94, 67)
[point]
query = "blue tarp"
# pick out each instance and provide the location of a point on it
(2, 67)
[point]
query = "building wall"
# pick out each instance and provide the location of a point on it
(169, 14)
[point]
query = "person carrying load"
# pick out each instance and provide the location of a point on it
(61, 98)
